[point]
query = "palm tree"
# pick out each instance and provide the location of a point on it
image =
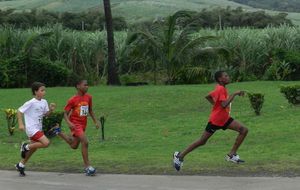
(174, 47)
(112, 77)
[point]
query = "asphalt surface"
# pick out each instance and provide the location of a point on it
(10, 180)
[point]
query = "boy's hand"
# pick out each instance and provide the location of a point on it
(52, 106)
(97, 125)
(71, 125)
(240, 93)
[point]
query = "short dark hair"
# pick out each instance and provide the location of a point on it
(78, 81)
(218, 74)
(35, 86)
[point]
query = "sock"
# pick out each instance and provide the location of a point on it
(27, 147)
(21, 165)
(90, 168)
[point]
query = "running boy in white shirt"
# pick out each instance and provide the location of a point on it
(33, 111)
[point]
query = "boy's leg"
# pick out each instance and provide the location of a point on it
(178, 157)
(72, 141)
(242, 130)
(89, 170)
(42, 142)
(84, 149)
(38, 140)
(21, 165)
(27, 156)
(200, 142)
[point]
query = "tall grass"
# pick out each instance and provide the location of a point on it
(85, 52)
(252, 49)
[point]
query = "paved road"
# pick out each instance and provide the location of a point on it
(9, 180)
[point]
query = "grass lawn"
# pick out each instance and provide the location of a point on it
(145, 125)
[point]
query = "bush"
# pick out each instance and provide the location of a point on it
(293, 58)
(13, 72)
(52, 120)
(279, 70)
(256, 101)
(20, 71)
(292, 93)
(51, 73)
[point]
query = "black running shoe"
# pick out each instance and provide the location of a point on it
(23, 150)
(21, 170)
(54, 130)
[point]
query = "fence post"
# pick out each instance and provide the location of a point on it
(102, 121)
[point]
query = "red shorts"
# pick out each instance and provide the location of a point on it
(37, 136)
(77, 131)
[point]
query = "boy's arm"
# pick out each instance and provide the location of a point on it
(92, 114)
(20, 120)
(210, 99)
(52, 107)
(231, 97)
(94, 119)
(66, 117)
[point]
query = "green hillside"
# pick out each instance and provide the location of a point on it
(132, 10)
(279, 5)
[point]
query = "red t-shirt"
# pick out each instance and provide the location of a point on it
(219, 115)
(80, 106)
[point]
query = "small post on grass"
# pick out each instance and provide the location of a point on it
(102, 121)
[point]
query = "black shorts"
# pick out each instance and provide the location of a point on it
(211, 128)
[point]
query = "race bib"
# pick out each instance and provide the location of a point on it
(84, 110)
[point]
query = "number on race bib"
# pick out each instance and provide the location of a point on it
(84, 110)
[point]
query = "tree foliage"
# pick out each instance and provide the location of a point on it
(223, 18)
(171, 46)
(89, 21)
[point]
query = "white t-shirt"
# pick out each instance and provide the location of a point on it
(33, 111)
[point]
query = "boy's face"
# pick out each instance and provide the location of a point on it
(40, 93)
(224, 79)
(83, 86)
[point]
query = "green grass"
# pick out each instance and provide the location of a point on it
(132, 10)
(145, 125)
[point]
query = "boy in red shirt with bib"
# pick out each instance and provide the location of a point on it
(76, 112)
(219, 119)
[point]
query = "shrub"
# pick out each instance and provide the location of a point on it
(51, 73)
(293, 58)
(20, 71)
(256, 101)
(13, 72)
(52, 120)
(292, 93)
(279, 70)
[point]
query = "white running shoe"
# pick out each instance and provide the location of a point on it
(90, 171)
(177, 162)
(235, 159)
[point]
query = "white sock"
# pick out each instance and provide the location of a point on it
(27, 147)
(89, 168)
(21, 165)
